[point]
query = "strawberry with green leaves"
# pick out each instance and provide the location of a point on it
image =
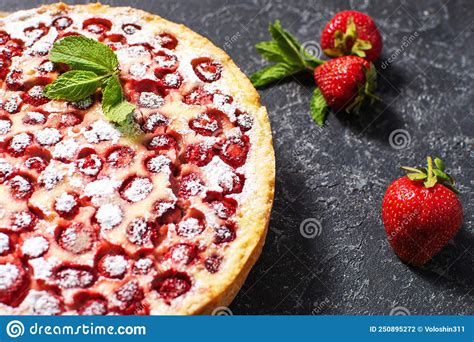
(345, 83)
(352, 33)
(421, 212)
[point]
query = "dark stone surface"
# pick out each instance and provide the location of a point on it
(338, 175)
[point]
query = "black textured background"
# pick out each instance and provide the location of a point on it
(337, 175)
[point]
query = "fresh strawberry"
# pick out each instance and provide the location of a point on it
(421, 213)
(351, 33)
(344, 83)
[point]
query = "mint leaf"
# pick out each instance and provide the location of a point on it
(287, 44)
(112, 93)
(272, 73)
(84, 53)
(271, 51)
(114, 106)
(286, 52)
(120, 113)
(318, 107)
(73, 85)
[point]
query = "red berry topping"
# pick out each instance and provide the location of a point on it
(5, 63)
(225, 208)
(69, 120)
(67, 205)
(15, 47)
(74, 276)
(76, 238)
(34, 117)
(190, 185)
(235, 187)
(234, 150)
(5, 244)
(95, 306)
(18, 144)
(213, 263)
(190, 227)
(23, 220)
(225, 233)
(21, 186)
(4, 37)
(89, 165)
(34, 33)
(36, 163)
(120, 156)
(206, 69)
(97, 25)
(154, 121)
(161, 142)
(35, 96)
(14, 282)
(205, 124)
(130, 295)
(172, 284)
(135, 189)
(131, 28)
(170, 80)
(182, 253)
(166, 63)
(198, 154)
(142, 232)
(198, 96)
(168, 41)
(14, 80)
(13, 104)
(113, 266)
(143, 266)
(62, 23)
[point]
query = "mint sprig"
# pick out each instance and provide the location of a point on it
(290, 57)
(288, 54)
(93, 65)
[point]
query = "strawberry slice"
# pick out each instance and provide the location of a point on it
(234, 151)
(172, 284)
(15, 281)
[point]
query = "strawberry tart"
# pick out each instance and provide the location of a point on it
(167, 218)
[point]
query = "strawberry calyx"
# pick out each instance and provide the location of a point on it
(347, 43)
(431, 175)
(365, 91)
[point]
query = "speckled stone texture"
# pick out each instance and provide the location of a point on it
(337, 175)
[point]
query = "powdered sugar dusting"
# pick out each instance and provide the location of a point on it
(35, 246)
(9, 273)
(109, 216)
(115, 265)
(138, 189)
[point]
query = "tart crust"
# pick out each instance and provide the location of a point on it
(254, 210)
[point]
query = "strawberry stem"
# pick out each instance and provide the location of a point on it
(431, 175)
